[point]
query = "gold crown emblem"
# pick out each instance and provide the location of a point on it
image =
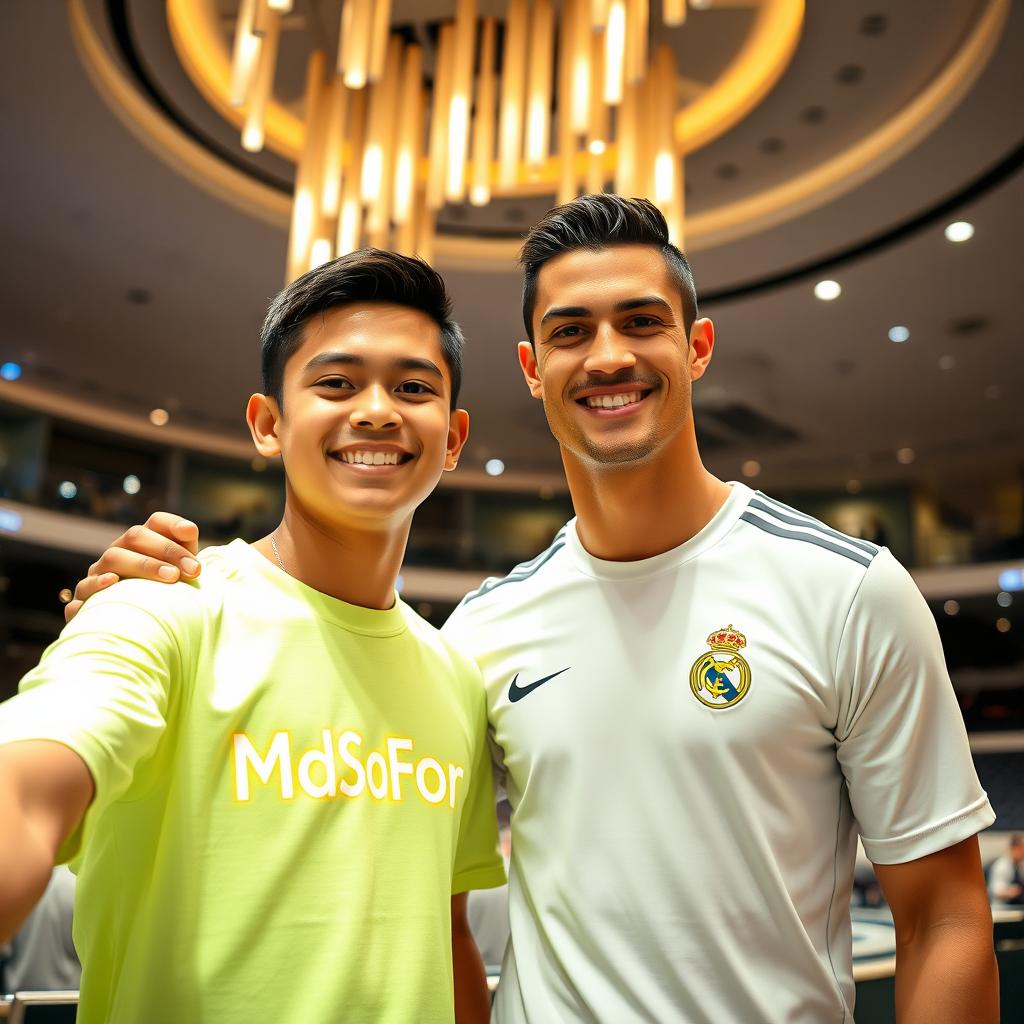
(728, 639)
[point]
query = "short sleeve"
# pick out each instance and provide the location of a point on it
(103, 689)
(901, 738)
(478, 863)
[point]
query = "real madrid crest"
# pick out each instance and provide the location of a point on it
(721, 677)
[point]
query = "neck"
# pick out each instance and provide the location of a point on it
(628, 512)
(359, 566)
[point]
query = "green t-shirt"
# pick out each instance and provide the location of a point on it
(288, 791)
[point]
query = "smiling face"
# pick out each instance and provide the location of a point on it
(366, 429)
(611, 360)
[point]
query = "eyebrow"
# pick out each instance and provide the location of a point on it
(560, 312)
(347, 359)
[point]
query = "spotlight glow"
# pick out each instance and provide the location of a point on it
(827, 290)
(10, 371)
(1003, 625)
(1003, 599)
(951, 607)
(67, 490)
(905, 456)
(751, 467)
(959, 231)
(494, 467)
(132, 484)
(899, 334)
(159, 417)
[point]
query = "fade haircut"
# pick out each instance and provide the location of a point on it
(366, 275)
(597, 222)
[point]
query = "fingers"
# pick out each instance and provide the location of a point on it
(85, 589)
(140, 553)
(174, 528)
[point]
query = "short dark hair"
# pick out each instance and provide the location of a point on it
(596, 222)
(366, 275)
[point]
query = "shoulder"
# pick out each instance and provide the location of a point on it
(499, 591)
(178, 606)
(446, 652)
(804, 540)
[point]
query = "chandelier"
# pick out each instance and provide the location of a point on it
(551, 99)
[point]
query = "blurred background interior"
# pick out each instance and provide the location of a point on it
(845, 177)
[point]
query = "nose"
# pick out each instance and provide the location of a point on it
(375, 410)
(610, 352)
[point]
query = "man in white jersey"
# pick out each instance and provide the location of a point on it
(699, 697)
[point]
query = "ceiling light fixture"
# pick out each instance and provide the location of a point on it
(159, 417)
(68, 490)
(1003, 625)
(899, 334)
(750, 468)
(132, 484)
(827, 290)
(1004, 599)
(951, 607)
(10, 371)
(364, 117)
(959, 231)
(494, 467)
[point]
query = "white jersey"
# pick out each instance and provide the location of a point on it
(691, 744)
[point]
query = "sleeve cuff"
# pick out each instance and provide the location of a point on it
(931, 838)
(480, 878)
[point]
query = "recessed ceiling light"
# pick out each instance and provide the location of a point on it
(67, 490)
(1011, 579)
(494, 467)
(159, 417)
(899, 334)
(827, 290)
(132, 484)
(1003, 625)
(1003, 599)
(751, 467)
(10, 371)
(905, 456)
(65, 595)
(959, 231)
(951, 607)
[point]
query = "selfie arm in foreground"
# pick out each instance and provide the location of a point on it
(45, 789)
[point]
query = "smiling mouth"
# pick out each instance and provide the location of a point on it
(614, 402)
(369, 458)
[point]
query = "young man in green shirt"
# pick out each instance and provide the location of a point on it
(274, 784)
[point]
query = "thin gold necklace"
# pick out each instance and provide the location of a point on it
(277, 554)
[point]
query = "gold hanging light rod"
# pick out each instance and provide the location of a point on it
(382, 153)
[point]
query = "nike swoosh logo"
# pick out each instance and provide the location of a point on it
(516, 692)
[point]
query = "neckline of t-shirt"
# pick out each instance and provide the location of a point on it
(353, 617)
(711, 534)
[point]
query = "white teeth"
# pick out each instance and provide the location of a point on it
(370, 458)
(613, 401)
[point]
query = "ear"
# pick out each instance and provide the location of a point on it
(528, 364)
(263, 416)
(702, 344)
(458, 432)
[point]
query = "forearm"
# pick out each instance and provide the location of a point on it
(26, 860)
(472, 998)
(947, 974)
